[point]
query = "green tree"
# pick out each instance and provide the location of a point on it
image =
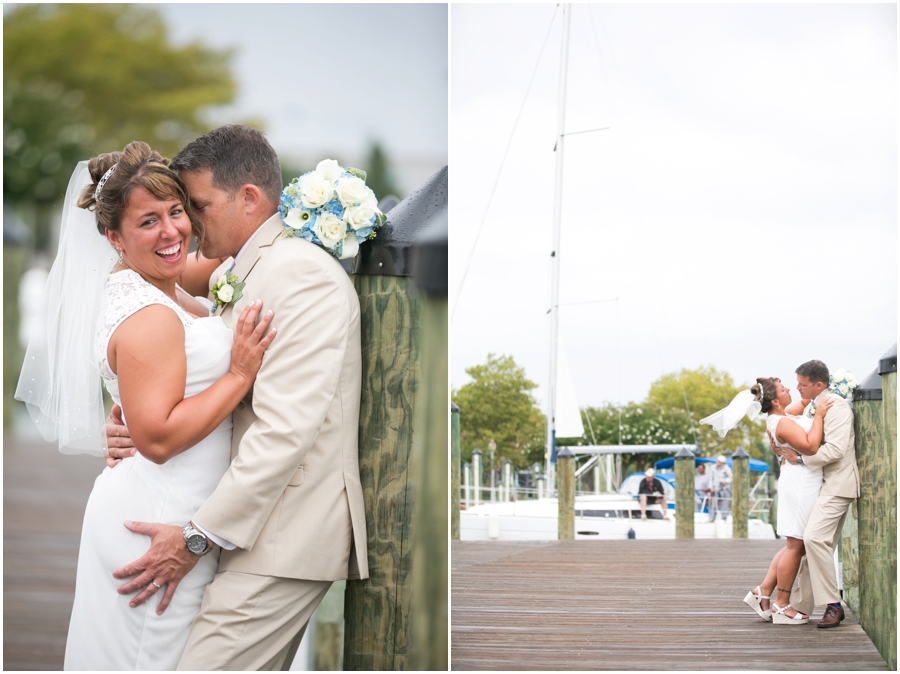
(707, 390)
(81, 79)
(378, 173)
(638, 424)
(498, 405)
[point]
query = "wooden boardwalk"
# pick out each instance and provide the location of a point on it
(619, 605)
(44, 495)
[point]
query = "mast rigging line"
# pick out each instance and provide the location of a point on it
(502, 164)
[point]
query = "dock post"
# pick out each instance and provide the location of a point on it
(541, 481)
(740, 494)
(876, 455)
(684, 494)
(467, 483)
(476, 476)
(428, 618)
(377, 609)
(597, 477)
(329, 646)
(565, 493)
(507, 480)
(454, 471)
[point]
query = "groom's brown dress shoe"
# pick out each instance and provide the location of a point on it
(832, 618)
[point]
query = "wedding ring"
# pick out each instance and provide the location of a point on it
(155, 584)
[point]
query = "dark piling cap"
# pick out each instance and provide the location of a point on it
(869, 388)
(888, 362)
(429, 257)
(740, 454)
(389, 254)
(454, 408)
(477, 451)
(684, 453)
(565, 453)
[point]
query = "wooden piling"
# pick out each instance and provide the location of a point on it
(329, 646)
(377, 609)
(430, 571)
(684, 494)
(740, 494)
(454, 472)
(565, 493)
(876, 452)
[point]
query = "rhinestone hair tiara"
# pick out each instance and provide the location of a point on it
(103, 182)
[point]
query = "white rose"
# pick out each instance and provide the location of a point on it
(352, 191)
(839, 375)
(351, 247)
(329, 229)
(359, 216)
(844, 389)
(329, 169)
(223, 279)
(316, 191)
(851, 379)
(225, 293)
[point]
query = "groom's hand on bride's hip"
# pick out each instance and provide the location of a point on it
(166, 562)
(118, 440)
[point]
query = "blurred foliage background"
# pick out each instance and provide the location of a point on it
(84, 79)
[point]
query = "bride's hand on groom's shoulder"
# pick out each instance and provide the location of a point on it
(118, 440)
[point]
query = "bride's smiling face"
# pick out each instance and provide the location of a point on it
(154, 234)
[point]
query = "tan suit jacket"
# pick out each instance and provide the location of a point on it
(292, 500)
(837, 455)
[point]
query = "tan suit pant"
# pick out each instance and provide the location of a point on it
(817, 577)
(251, 623)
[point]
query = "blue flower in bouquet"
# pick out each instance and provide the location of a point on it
(332, 208)
(842, 383)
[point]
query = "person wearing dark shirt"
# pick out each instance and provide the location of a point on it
(651, 491)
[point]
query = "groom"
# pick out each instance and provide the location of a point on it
(837, 458)
(289, 511)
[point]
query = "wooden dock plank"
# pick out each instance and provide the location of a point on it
(44, 496)
(649, 605)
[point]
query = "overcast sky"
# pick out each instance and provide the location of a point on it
(330, 78)
(742, 206)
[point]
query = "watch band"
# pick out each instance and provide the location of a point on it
(190, 533)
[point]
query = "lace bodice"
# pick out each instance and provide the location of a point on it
(126, 293)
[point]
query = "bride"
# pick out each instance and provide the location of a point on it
(798, 486)
(177, 373)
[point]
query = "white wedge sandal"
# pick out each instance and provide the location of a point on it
(779, 618)
(754, 601)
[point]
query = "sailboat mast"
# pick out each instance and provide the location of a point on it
(554, 255)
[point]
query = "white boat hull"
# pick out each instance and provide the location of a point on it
(536, 520)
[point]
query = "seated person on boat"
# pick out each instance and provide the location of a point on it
(651, 491)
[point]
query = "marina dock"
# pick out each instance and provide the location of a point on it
(632, 604)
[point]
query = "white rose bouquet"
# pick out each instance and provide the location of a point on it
(332, 208)
(842, 383)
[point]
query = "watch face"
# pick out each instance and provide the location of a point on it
(196, 543)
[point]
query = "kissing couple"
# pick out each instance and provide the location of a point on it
(815, 440)
(238, 466)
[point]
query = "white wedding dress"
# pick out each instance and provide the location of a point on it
(105, 633)
(798, 486)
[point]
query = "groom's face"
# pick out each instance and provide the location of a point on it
(809, 389)
(220, 213)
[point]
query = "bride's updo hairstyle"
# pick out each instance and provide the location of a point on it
(764, 392)
(137, 165)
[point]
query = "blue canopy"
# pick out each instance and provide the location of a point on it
(755, 464)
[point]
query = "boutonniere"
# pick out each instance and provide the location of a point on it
(227, 290)
(811, 412)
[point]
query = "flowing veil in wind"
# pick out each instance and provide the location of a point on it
(60, 381)
(726, 419)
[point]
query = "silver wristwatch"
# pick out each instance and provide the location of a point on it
(196, 541)
(800, 460)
